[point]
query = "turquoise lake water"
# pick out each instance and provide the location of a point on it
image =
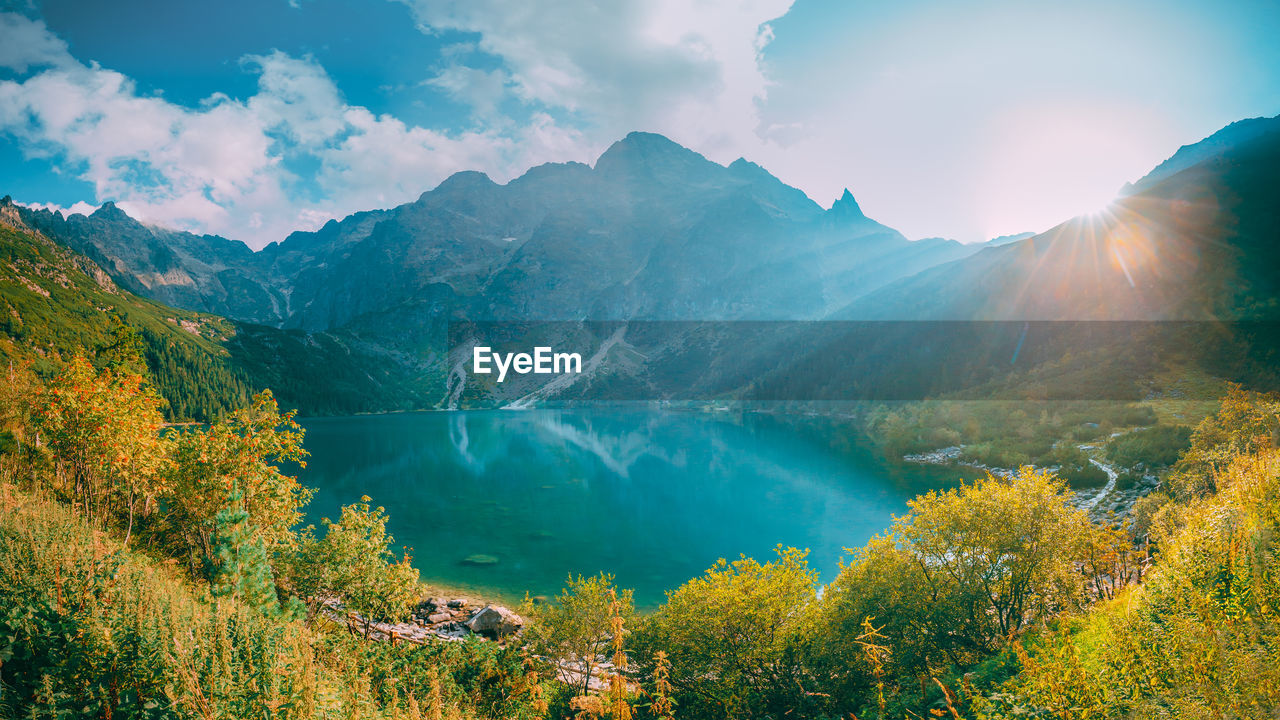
(653, 496)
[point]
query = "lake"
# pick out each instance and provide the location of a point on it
(653, 496)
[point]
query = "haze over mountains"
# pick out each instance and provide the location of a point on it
(1198, 238)
(654, 231)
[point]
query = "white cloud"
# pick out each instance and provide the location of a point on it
(222, 167)
(483, 90)
(28, 43)
(205, 169)
(690, 70)
(296, 96)
(78, 208)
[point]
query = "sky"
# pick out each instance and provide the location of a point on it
(254, 118)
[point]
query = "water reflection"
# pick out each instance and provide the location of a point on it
(653, 496)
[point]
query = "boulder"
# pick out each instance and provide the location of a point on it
(439, 617)
(495, 621)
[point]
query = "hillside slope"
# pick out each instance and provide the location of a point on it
(1199, 242)
(55, 303)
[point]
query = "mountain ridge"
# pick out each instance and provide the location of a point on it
(656, 232)
(628, 217)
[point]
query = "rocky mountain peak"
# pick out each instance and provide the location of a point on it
(846, 208)
(111, 213)
(653, 154)
(465, 180)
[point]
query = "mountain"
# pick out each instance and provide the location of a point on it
(206, 273)
(652, 230)
(1183, 272)
(1006, 239)
(1198, 241)
(55, 302)
(652, 259)
(1214, 146)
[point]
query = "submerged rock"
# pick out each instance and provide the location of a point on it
(480, 559)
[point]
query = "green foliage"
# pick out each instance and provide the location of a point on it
(1151, 447)
(737, 639)
(240, 567)
(1245, 422)
(489, 679)
(104, 429)
(90, 629)
(353, 562)
(55, 304)
(1198, 638)
(242, 451)
(574, 630)
(955, 578)
(1005, 434)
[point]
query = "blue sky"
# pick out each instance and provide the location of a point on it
(964, 120)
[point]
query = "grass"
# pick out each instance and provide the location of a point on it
(90, 628)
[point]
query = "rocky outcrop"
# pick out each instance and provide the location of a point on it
(494, 621)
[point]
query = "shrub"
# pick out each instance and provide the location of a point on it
(353, 562)
(1151, 447)
(956, 577)
(574, 631)
(737, 639)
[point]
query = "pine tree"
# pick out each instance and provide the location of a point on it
(240, 567)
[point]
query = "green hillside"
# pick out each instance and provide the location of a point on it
(55, 303)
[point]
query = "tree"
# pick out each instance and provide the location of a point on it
(737, 638)
(575, 630)
(884, 581)
(1244, 423)
(1004, 550)
(122, 350)
(353, 562)
(960, 574)
(20, 393)
(241, 452)
(240, 567)
(103, 429)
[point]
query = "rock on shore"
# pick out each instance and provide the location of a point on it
(439, 618)
(495, 621)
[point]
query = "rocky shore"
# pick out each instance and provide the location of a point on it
(1098, 502)
(456, 620)
(447, 619)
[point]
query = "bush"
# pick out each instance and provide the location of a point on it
(1198, 640)
(575, 629)
(353, 562)
(954, 579)
(737, 638)
(1086, 475)
(90, 629)
(1152, 447)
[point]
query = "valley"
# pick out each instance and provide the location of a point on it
(756, 377)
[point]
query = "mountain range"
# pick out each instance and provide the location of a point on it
(654, 232)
